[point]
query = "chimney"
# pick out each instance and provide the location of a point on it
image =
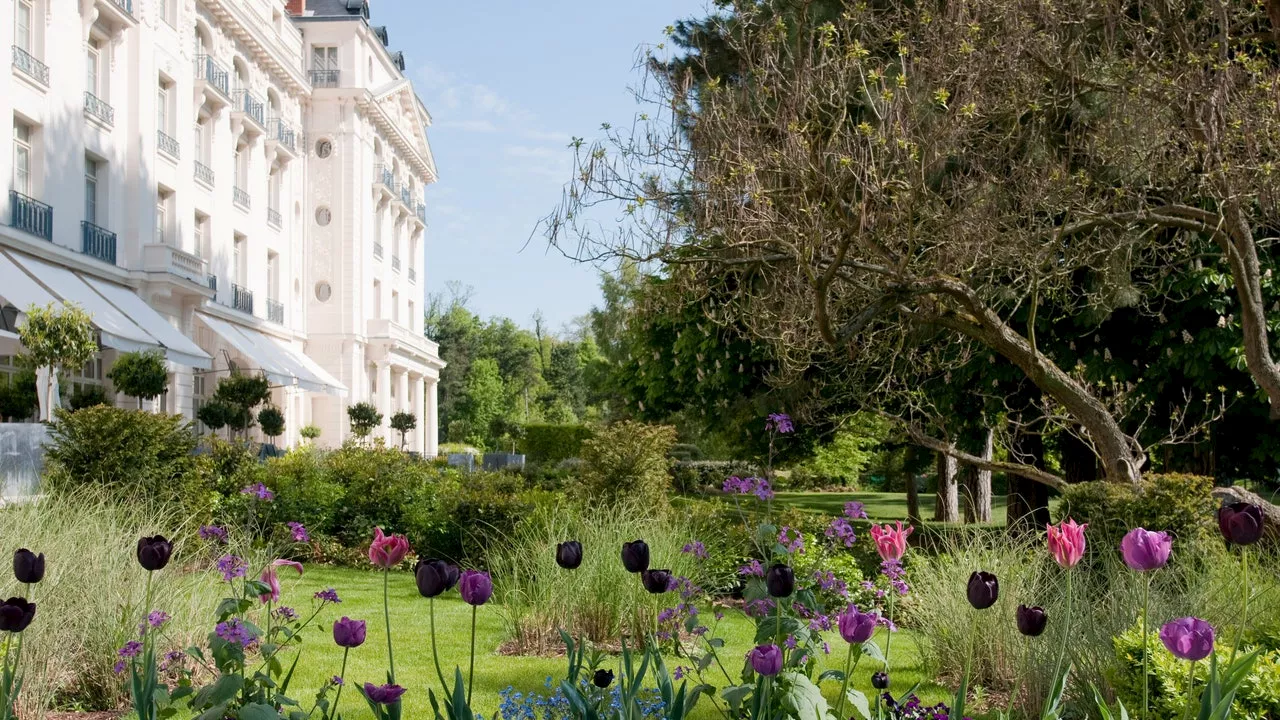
(296, 7)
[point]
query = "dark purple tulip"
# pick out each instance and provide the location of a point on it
(383, 694)
(569, 554)
(349, 633)
(16, 614)
(1240, 523)
(28, 567)
(475, 587)
(603, 679)
(154, 552)
(1188, 638)
(856, 627)
(766, 660)
(432, 577)
(1031, 620)
(656, 581)
(984, 590)
(452, 574)
(780, 580)
(635, 556)
(880, 681)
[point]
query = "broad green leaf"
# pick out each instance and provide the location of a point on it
(800, 697)
(257, 711)
(860, 703)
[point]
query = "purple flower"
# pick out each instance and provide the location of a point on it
(1145, 550)
(172, 658)
(475, 587)
(759, 608)
(383, 694)
(856, 627)
(679, 672)
(766, 659)
(893, 571)
(696, 548)
(349, 633)
(752, 568)
(337, 680)
(157, 619)
(286, 613)
(841, 531)
(762, 489)
(299, 532)
(260, 491)
(234, 632)
(213, 533)
(828, 582)
(118, 667)
(779, 423)
(748, 486)
(1189, 638)
(793, 545)
(790, 642)
(329, 596)
(855, 510)
(232, 567)
(131, 649)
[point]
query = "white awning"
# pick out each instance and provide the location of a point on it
(178, 347)
(282, 364)
(116, 311)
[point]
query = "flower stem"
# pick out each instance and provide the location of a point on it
(1191, 682)
(1146, 650)
(333, 712)
(386, 616)
(1066, 635)
(844, 687)
(444, 688)
(888, 633)
(471, 673)
(1244, 612)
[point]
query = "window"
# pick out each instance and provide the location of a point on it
(202, 236)
(273, 276)
(324, 58)
(273, 191)
(164, 216)
(395, 306)
(170, 12)
(22, 27)
(373, 380)
(377, 300)
(242, 169)
(91, 190)
(22, 158)
(202, 135)
(163, 113)
(410, 319)
(93, 67)
(237, 260)
(277, 21)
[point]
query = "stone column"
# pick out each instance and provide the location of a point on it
(402, 402)
(384, 398)
(419, 408)
(431, 427)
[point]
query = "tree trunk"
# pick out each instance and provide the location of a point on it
(913, 491)
(1027, 504)
(977, 484)
(1079, 464)
(947, 507)
(1242, 255)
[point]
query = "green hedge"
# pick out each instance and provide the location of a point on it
(1181, 505)
(553, 443)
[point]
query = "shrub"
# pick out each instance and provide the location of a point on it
(403, 422)
(305, 489)
(271, 420)
(234, 400)
(142, 375)
(83, 397)
(1182, 505)
(18, 400)
(310, 432)
(553, 443)
(364, 418)
(383, 488)
(133, 454)
(689, 476)
(628, 460)
(57, 336)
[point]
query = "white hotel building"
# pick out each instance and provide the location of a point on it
(235, 182)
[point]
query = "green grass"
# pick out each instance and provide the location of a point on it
(880, 505)
(361, 594)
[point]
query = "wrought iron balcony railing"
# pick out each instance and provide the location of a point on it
(125, 5)
(395, 263)
(242, 299)
(32, 67)
(30, 215)
(168, 145)
(275, 311)
(240, 197)
(213, 282)
(98, 108)
(377, 249)
(210, 71)
(280, 131)
(324, 78)
(204, 173)
(413, 275)
(250, 105)
(98, 242)
(274, 219)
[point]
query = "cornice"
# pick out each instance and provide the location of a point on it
(405, 144)
(242, 30)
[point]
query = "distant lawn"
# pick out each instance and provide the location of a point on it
(361, 593)
(880, 505)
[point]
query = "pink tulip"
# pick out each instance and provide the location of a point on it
(387, 551)
(891, 542)
(273, 581)
(1066, 542)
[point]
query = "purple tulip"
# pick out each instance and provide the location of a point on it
(983, 590)
(766, 660)
(349, 633)
(1188, 638)
(1144, 550)
(635, 556)
(856, 627)
(28, 567)
(383, 694)
(475, 587)
(1031, 620)
(16, 614)
(1240, 523)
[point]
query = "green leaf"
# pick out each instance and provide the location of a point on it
(873, 651)
(219, 693)
(858, 699)
(800, 697)
(736, 695)
(257, 711)
(837, 675)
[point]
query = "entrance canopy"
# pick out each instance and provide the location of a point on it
(282, 363)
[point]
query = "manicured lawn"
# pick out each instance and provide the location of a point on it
(361, 594)
(880, 505)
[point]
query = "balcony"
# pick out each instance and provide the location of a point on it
(213, 283)
(30, 215)
(274, 218)
(241, 299)
(422, 213)
(377, 249)
(384, 180)
(275, 311)
(204, 174)
(395, 263)
(117, 14)
(282, 139)
(324, 78)
(245, 106)
(240, 198)
(31, 67)
(406, 197)
(413, 276)
(212, 81)
(99, 110)
(168, 146)
(98, 242)
(159, 258)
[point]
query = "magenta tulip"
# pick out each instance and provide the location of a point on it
(1144, 550)
(387, 551)
(1189, 638)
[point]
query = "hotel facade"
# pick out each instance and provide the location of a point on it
(238, 183)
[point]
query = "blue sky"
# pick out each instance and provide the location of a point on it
(508, 84)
